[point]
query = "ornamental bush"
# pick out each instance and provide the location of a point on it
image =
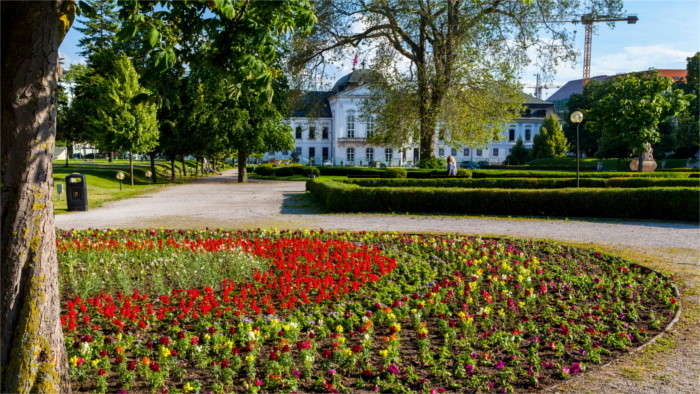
(679, 203)
(394, 173)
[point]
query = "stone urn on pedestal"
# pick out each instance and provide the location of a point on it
(648, 163)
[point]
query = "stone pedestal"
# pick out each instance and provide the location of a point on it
(648, 164)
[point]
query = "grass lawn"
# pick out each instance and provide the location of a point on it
(102, 184)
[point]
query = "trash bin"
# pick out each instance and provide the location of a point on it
(76, 192)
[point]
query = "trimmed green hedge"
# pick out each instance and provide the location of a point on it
(632, 203)
(271, 170)
(527, 183)
(415, 173)
(572, 174)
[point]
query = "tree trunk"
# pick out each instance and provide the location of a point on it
(172, 168)
(154, 177)
(131, 167)
(184, 168)
(69, 152)
(32, 352)
(242, 170)
(640, 161)
(110, 156)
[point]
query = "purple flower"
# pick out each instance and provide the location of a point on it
(469, 368)
(296, 373)
(393, 369)
(258, 382)
(500, 365)
(332, 372)
(575, 367)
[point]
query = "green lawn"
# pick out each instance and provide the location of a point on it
(102, 184)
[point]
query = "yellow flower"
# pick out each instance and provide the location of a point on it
(383, 352)
(74, 361)
(501, 312)
(347, 352)
(95, 362)
(206, 337)
(187, 387)
(119, 336)
(250, 358)
(229, 344)
(423, 330)
(339, 328)
(164, 351)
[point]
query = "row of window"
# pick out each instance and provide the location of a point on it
(466, 152)
(511, 135)
(369, 154)
(350, 125)
(312, 133)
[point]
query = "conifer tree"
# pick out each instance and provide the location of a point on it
(551, 141)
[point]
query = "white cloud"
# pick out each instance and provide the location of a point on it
(640, 58)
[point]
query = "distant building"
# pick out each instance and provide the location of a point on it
(561, 97)
(328, 129)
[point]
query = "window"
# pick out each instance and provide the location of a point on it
(324, 154)
(297, 151)
(528, 134)
(389, 155)
(511, 135)
(369, 154)
(495, 152)
(312, 133)
(312, 154)
(298, 132)
(441, 152)
(324, 133)
(370, 126)
(466, 152)
(479, 152)
(453, 152)
(350, 124)
(441, 134)
(350, 154)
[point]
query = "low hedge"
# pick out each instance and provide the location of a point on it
(527, 183)
(271, 170)
(415, 173)
(632, 203)
(572, 174)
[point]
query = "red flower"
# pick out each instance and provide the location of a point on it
(155, 367)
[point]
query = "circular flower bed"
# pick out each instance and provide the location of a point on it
(323, 311)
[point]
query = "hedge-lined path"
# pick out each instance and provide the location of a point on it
(670, 366)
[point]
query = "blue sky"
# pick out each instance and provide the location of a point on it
(668, 31)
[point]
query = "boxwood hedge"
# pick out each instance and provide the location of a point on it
(527, 183)
(679, 203)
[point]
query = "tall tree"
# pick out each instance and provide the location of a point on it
(632, 107)
(588, 141)
(70, 122)
(519, 154)
(126, 123)
(550, 142)
(456, 60)
(32, 352)
(686, 136)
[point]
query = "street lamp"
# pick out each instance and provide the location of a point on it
(577, 117)
(120, 176)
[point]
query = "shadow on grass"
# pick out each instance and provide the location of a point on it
(300, 204)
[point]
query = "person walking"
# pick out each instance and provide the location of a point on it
(451, 166)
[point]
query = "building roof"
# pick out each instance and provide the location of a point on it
(576, 86)
(312, 104)
(354, 79)
(530, 99)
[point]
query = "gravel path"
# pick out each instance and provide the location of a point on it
(219, 202)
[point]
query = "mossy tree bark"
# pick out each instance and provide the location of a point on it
(32, 353)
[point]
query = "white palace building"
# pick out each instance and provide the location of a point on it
(329, 130)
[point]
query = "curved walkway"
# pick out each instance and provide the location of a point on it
(220, 202)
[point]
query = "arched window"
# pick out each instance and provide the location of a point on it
(369, 154)
(370, 127)
(528, 134)
(350, 154)
(350, 124)
(388, 155)
(298, 132)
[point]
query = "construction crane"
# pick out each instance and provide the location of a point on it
(588, 20)
(539, 87)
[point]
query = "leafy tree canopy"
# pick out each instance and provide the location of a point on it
(550, 142)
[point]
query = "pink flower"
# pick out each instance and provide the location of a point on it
(393, 369)
(500, 365)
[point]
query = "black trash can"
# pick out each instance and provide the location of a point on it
(76, 192)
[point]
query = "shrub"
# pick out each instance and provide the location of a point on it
(637, 203)
(265, 170)
(432, 162)
(394, 173)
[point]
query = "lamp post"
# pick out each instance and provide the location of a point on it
(120, 176)
(577, 117)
